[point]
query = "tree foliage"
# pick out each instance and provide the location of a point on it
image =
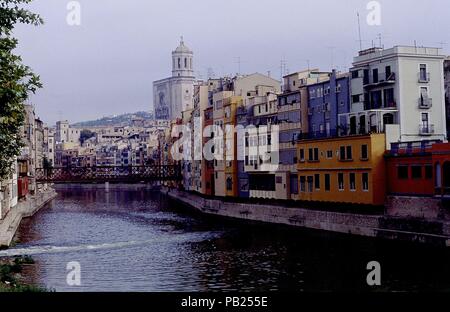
(17, 81)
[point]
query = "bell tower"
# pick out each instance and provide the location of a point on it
(182, 61)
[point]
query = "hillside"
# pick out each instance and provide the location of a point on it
(117, 120)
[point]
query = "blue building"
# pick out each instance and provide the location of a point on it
(328, 99)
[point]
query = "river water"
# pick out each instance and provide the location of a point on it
(138, 240)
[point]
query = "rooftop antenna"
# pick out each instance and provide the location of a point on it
(210, 73)
(309, 67)
(282, 68)
(332, 56)
(380, 41)
(359, 32)
(442, 44)
(238, 61)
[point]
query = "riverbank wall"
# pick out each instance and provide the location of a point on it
(431, 231)
(25, 208)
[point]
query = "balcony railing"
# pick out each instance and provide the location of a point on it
(382, 79)
(426, 130)
(424, 77)
(425, 102)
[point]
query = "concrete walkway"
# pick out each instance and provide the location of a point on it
(24, 209)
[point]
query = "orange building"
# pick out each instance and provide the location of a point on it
(343, 170)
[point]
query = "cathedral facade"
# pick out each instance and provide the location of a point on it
(173, 95)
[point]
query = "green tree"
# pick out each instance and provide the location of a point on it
(17, 81)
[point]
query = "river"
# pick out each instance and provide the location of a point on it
(138, 240)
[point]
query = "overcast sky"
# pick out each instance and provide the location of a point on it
(107, 65)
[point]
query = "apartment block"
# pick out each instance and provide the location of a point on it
(399, 91)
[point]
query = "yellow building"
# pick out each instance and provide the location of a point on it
(229, 118)
(343, 170)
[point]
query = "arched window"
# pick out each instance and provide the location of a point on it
(179, 63)
(185, 62)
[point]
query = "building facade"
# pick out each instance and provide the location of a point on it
(399, 91)
(347, 170)
(327, 100)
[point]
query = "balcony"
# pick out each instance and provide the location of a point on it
(424, 77)
(426, 130)
(383, 79)
(425, 102)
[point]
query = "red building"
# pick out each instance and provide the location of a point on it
(418, 168)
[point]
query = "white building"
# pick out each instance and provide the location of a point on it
(65, 134)
(399, 91)
(173, 95)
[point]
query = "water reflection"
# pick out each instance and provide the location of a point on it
(152, 244)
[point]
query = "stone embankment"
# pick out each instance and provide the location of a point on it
(24, 209)
(423, 230)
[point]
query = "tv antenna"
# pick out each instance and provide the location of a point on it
(442, 44)
(332, 55)
(359, 32)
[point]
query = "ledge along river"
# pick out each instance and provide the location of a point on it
(135, 239)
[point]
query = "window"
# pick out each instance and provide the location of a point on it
(428, 172)
(355, 74)
(229, 184)
(423, 72)
(349, 153)
(364, 152)
(388, 72)
(356, 98)
(302, 155)
(345, 153)
(329, 154)
(317, 181)
(310, 184)
(316, 154)
(185, 62)
(365, 181)
(416, 172)
(425, 121)
(310, 154)
(402, 172)
(179, 63)
(302, 184)
(341, 181)
(327, 182)
(352, 182)
(342, 153)
(375, 75)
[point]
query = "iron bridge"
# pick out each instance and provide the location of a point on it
(119, 174)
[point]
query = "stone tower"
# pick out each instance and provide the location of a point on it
(182, 61)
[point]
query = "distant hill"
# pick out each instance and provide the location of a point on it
(117, 120)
